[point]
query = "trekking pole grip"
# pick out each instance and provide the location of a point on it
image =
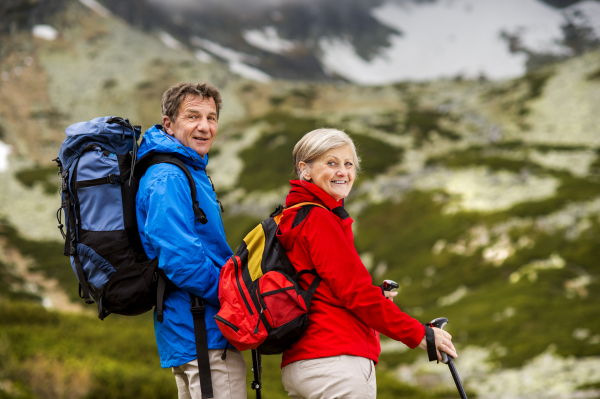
(440, 323)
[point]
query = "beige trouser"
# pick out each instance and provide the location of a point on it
(228, 376)
(333, 377)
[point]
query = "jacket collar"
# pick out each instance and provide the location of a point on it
(304, 191)
(157, 140)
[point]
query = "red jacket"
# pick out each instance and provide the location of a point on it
(347, 310)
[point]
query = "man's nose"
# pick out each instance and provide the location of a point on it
(203, 125)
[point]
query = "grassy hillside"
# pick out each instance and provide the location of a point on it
(480, 198)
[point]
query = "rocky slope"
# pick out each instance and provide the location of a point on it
(481, 198)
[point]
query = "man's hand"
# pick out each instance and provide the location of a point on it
(443, 342)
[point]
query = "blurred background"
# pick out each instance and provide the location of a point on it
(478, 126)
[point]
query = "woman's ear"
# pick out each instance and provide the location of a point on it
(304, 171)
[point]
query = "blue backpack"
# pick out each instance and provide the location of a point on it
(100, 179)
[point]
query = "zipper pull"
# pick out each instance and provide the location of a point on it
(258, 324)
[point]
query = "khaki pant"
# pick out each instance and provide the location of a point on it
(336, 377)
(228, 376)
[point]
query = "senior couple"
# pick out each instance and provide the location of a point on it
(336, 356)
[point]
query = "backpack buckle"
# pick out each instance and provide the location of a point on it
(114, 179)
(197, 304)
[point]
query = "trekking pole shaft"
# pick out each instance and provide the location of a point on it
(454, 373)
(256, 368)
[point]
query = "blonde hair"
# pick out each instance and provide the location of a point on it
(316, 143)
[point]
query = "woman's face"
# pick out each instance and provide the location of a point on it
(333, 172)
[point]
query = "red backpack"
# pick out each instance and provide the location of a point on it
(262, 305)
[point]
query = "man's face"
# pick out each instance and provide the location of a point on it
(196, 123)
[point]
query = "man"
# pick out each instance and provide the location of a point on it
(189, 252)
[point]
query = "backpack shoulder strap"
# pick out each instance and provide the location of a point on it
(303, 212)
(155, 158)
(197, 308)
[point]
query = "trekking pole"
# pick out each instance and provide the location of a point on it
(257, 369)
(440, 322)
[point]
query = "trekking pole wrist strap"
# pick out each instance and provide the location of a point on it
(430, 340)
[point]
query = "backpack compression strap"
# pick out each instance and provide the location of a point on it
(201, 338)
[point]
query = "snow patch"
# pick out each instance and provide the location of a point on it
(221, 51)
(45, 32)
(448, 38)
(203, 56)
(97, 7)
(4, 152)
(268, 39)
(169, 40)
(237, 60)
(249, 72)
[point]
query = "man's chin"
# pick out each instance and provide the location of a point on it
(201, 150)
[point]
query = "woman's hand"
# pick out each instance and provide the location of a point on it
(390, 294)
(443, 342)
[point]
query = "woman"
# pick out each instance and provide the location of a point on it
(335, 356)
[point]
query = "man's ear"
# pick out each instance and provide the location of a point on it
(167, 124)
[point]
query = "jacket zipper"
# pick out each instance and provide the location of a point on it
(227, 323)
(237, 279)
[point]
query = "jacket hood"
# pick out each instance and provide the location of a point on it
(304, 191)
(157, 140)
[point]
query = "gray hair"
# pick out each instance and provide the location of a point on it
(316, 143)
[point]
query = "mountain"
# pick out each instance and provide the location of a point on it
(373, 41)
(480, 197)
(365, 41)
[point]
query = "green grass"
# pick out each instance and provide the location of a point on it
(47, 256)
(424, 123)
(531, 85)
(44, 175)
(277, 146)
(53, 117)
(45, 354)
(570, 189)
(49, 354)
(593, 76)
(237, 226)
(12, 286)
(376, 156)
(403, 234)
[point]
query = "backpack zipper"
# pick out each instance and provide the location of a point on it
(258, 324)
(237, 279)
(227, 323)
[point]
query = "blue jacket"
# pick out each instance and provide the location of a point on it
(191, 254)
